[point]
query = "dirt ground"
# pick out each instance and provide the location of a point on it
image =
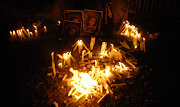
(25, 67)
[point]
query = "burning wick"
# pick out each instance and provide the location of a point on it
(80, 45)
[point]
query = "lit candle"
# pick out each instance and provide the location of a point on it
(135, 40)
(22, 34)
(112, 51)
(14, 35)
(45, 30)
(23, 30)
(36, 33)
(144, 41)
(28, 33)
(103, 97)
(31, 34)
(93, 71)
(103, 46)
(59, 22)
(83, 55)
(35, 27)
(80, 45)
(95, 63)
(53, 64)
(11, 36)
(91, 46)
(135, 47)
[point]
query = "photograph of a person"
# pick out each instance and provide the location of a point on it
(73, 15)
(71, 29)
(92, 20)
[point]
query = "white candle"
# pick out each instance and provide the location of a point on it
(135, 40)
(93, 71)
(53, 64)
(90, 55)
(23, 30)
(103, 97)
(31, 34)
(112, 51)
(92, 42)
(45, 30)
(95, 63)
(36, 33)
(80, 45)
(142, 46)
(11, 36)
(19, 35)
(83, 55)
(22, 34)
(28, 33)
(91, 46)
(103, 46)
(144, 41)
(14, 36)
(35, 27)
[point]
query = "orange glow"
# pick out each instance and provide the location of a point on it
(130, 30)
(80, 42)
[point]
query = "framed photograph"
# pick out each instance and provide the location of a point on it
(73, 15)
(71, 28)
(92, 22)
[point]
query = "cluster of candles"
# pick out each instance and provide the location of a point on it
(22, 34)
(97, 73)
(132, 32)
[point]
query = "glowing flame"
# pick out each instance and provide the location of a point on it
(80, 42)
(130, 30)
(83, 82)
(104, 53)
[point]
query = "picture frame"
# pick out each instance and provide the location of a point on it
(92, 22)
(74, 15)
(71, 28)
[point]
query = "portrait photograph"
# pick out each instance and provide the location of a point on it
(92, 21)
(71, 29)
(73, 15)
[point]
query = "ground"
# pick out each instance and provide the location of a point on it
(25, 67)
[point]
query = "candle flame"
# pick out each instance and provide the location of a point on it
(80, 42)
(130, 30)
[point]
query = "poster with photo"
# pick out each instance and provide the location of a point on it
(73, 15)
(71, 29)
(92, 21)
